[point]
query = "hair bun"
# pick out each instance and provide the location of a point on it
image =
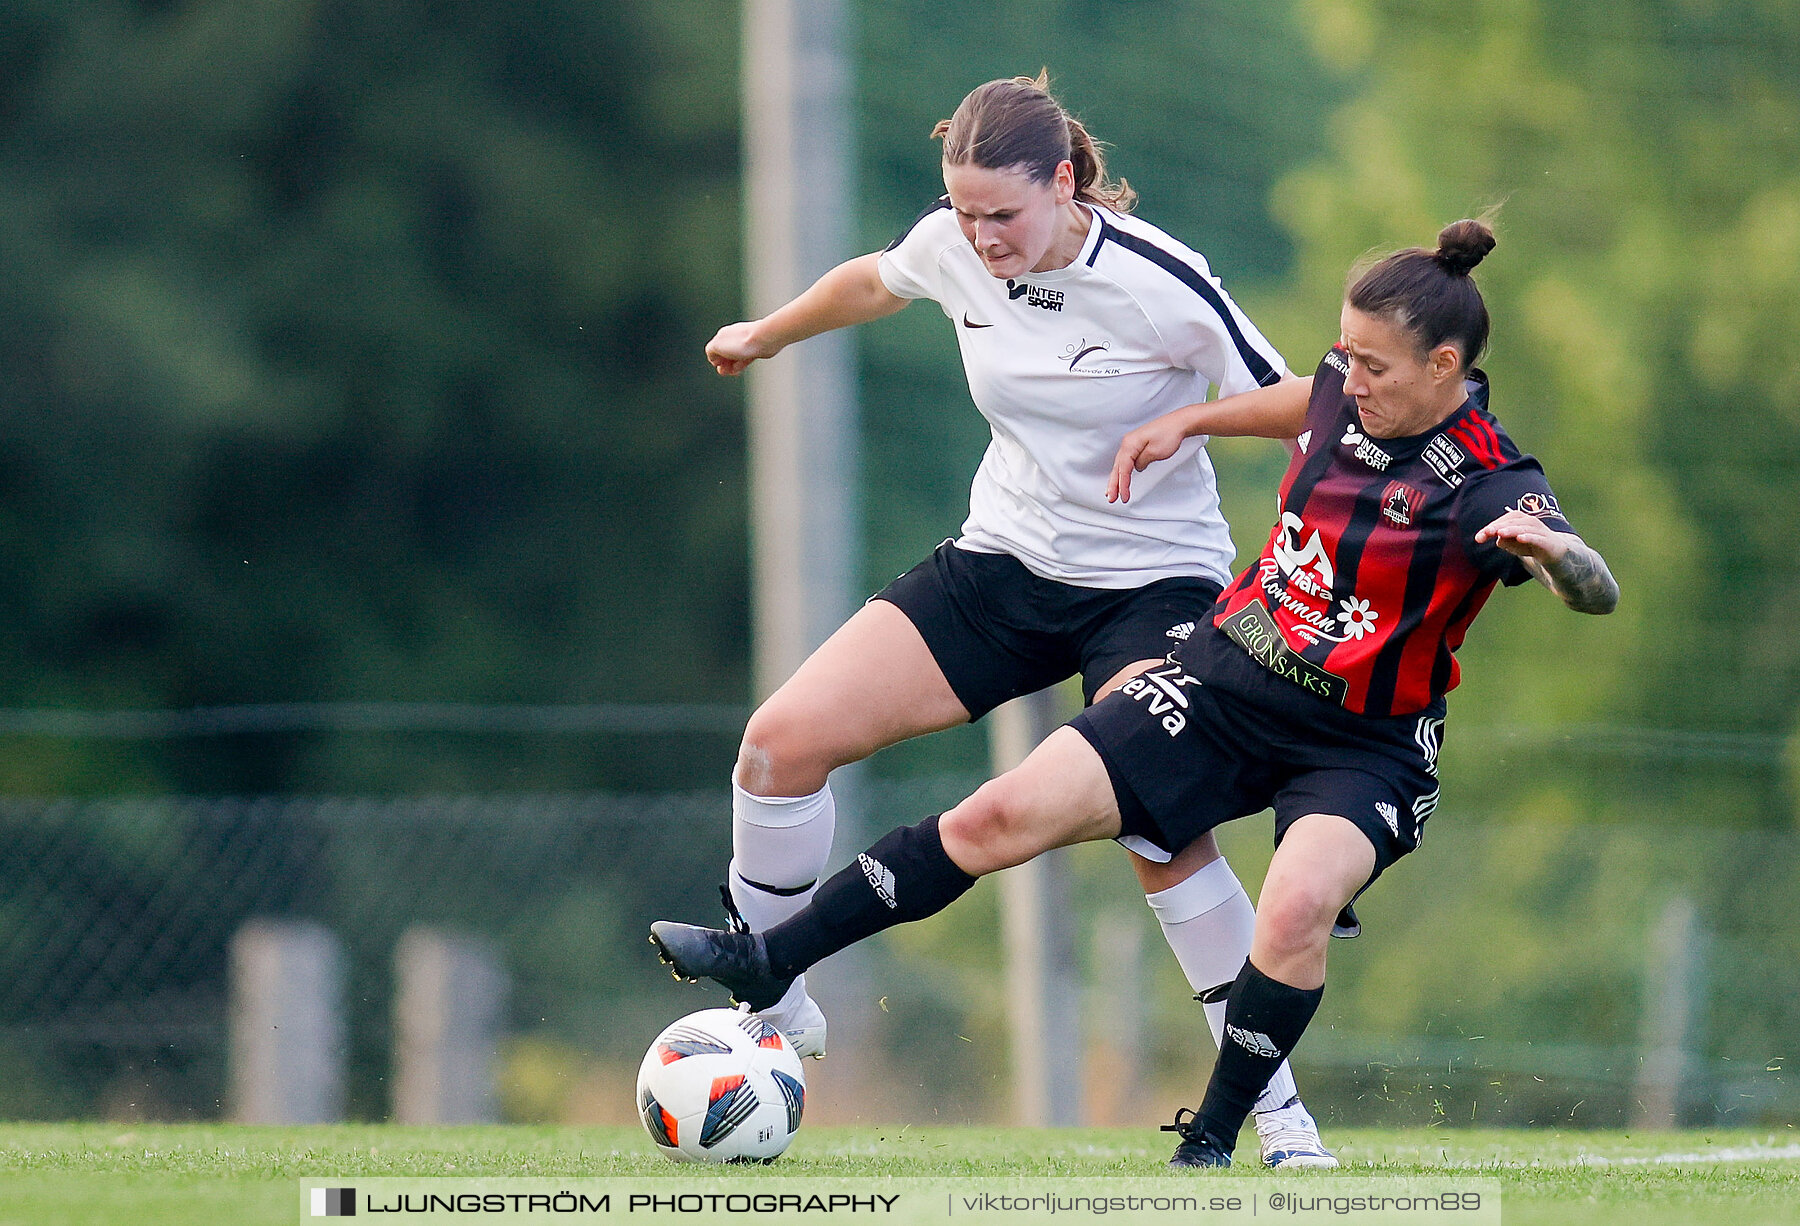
(1462, 245)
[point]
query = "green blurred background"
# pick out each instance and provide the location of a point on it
(352, 354)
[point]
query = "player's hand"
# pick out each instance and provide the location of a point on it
(1526, 536)
(735, 346)
(1143, 447)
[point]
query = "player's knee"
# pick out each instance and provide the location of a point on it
(1296, 917)
(996, 819)
(780, 755)
(972, 823)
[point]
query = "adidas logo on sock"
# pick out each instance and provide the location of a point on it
(881, 879)
(1253, 1041)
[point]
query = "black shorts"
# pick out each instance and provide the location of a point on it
(998, 631)
(1199, 741)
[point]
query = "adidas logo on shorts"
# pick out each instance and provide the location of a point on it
(1180, 632)
(1390, 815)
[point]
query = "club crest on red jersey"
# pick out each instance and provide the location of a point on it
(1401, 503)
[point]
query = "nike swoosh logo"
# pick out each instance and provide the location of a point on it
(969, 323)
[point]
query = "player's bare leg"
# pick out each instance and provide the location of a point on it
(872, 684)
(1207, 919)
(1322, 862)
(1060, 794)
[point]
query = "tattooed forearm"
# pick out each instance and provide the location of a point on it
(1580, 578)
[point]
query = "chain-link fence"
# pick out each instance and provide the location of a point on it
(1510, 973)
(118, 915)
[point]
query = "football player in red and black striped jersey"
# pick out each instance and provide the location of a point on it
(1316, 687)
(1404, 504)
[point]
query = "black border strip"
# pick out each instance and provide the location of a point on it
(1258, 365)
(942, 202)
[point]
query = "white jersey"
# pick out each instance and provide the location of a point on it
(1063, 364)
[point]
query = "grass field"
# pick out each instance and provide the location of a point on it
(149, 1175)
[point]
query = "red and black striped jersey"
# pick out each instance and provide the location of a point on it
(1371, 575)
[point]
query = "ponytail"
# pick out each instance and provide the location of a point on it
(1464, 244)
(1091, 184)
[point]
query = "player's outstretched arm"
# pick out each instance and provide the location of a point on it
(1276, 411)
(851, 293)
(1561, 561)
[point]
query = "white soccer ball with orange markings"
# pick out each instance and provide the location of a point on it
(721, 1085)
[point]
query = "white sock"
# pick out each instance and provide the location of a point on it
(1208, 922)
(779, 842)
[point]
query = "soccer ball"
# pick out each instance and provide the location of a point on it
(721, 1085)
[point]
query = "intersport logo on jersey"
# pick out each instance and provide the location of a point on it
(1366, 450)
(1038, 296)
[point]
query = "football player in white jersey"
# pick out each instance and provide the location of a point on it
(1078, 324)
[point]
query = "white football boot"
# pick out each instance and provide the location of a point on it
(1290, 1138)
(799, 1017)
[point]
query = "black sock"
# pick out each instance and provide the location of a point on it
(906, 876)
(1263, 1021)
